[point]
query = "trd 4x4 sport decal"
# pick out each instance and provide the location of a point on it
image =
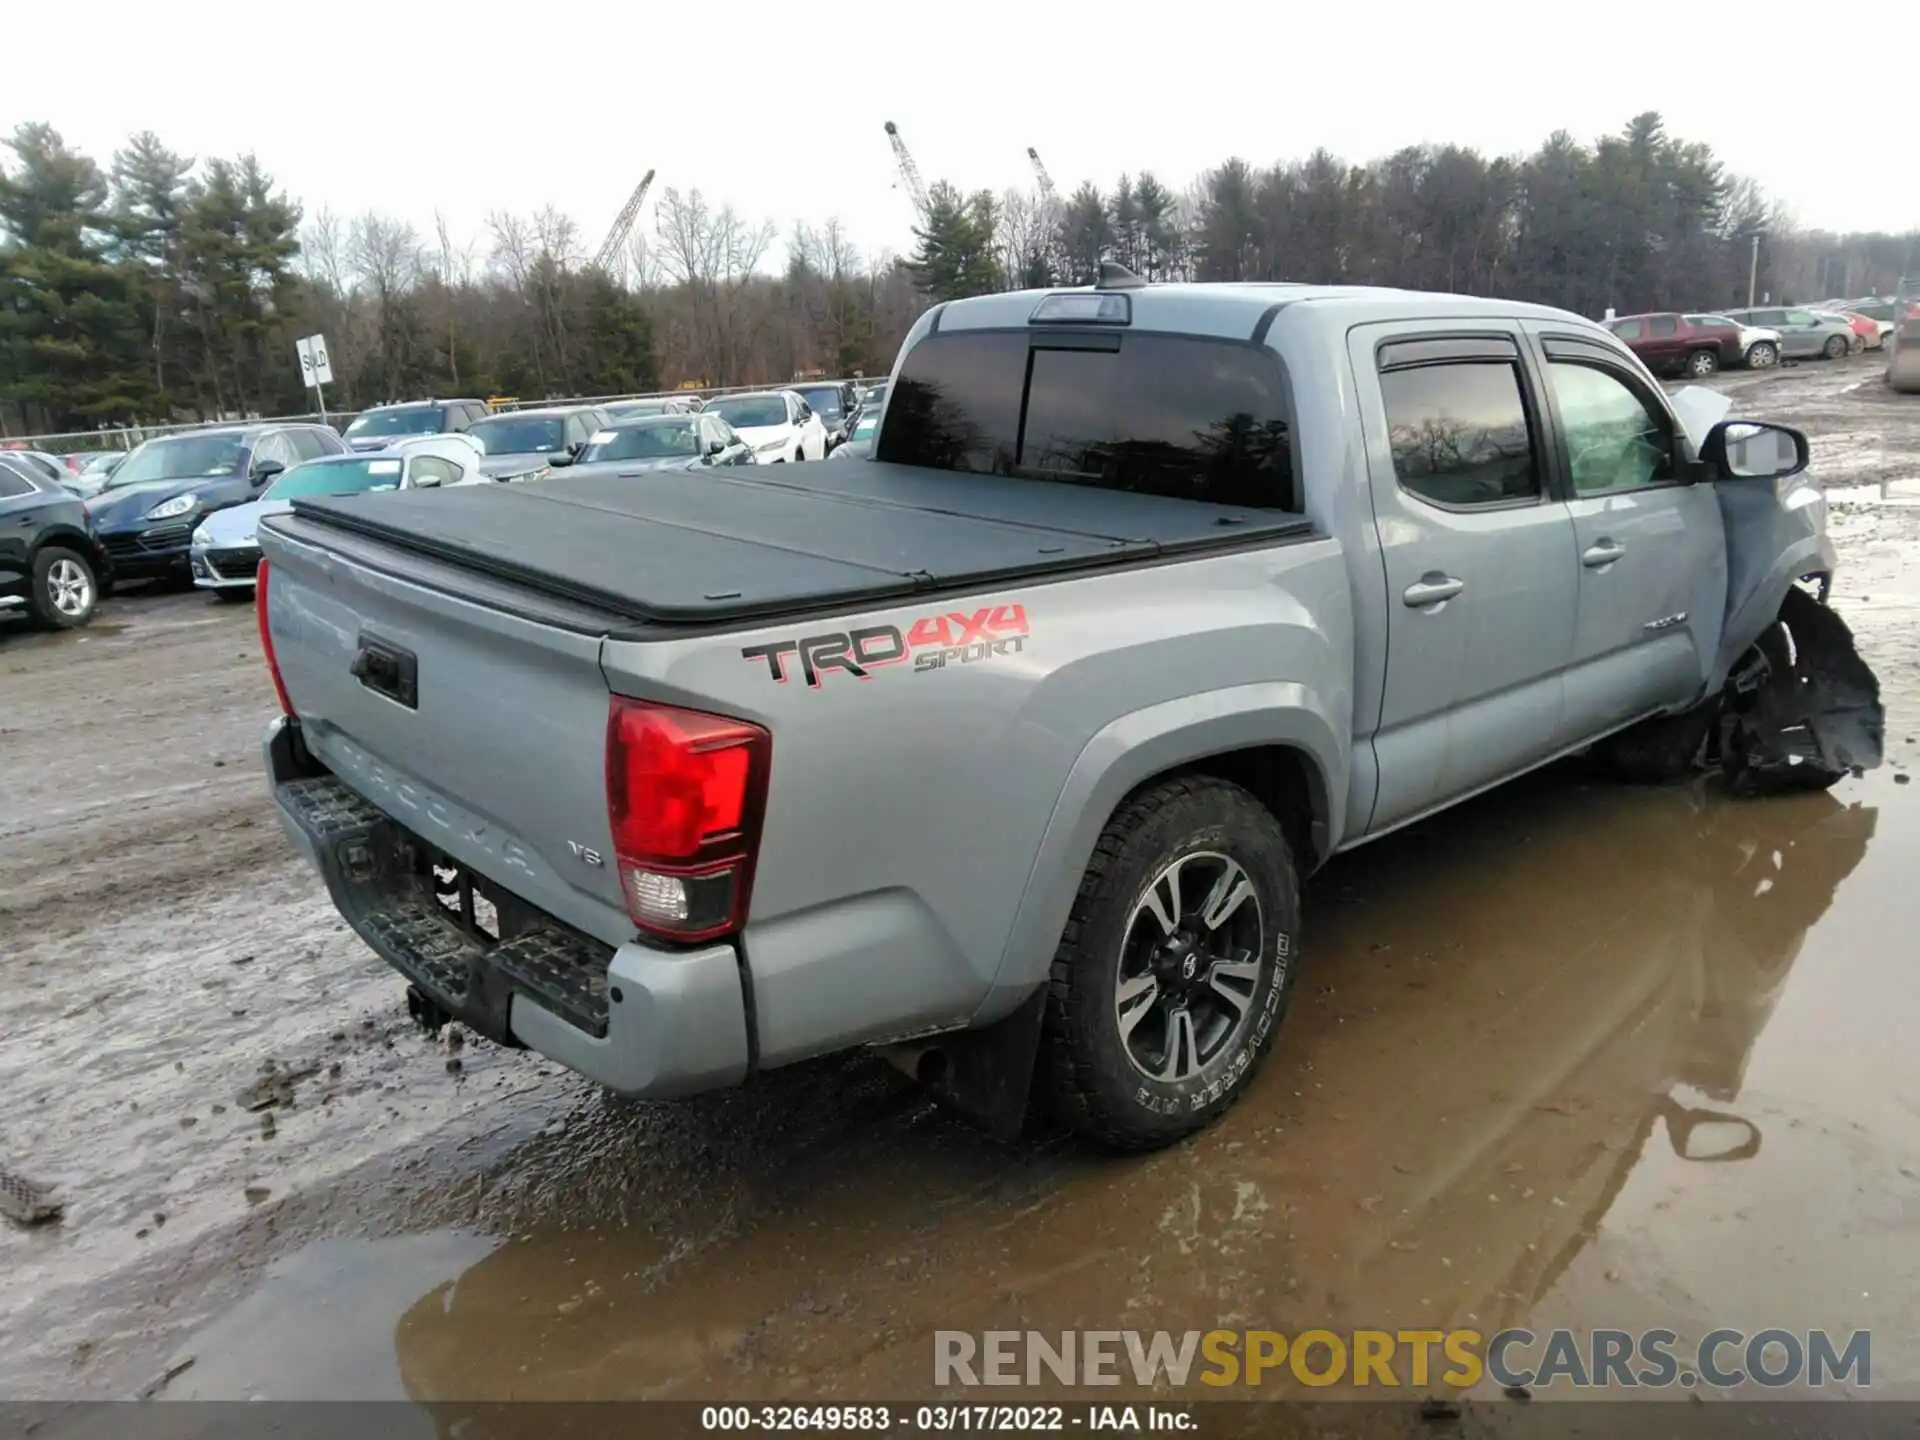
(933, 642)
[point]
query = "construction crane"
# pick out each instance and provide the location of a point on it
(623, 224)
(1047, 193)
(909, 172)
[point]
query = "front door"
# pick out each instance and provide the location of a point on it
(1652, 569)
(1478, 556)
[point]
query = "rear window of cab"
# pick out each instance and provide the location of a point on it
(1188, 417)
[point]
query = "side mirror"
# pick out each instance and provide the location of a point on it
(562, 458)
(265, 470)
(1708, 1135)
(1754, 450)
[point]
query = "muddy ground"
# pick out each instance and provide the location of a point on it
(1478, 1113)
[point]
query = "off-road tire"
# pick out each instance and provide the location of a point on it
(1702, 363)
(41, 595)
(1087, 1079)
(1762, 355)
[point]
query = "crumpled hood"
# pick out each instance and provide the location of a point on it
(758, 435)
(496, 467)
(126, 507)
(239, 524)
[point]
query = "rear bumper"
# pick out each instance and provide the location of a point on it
(640, 1021)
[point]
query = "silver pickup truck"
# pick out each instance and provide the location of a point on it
(1006, 751)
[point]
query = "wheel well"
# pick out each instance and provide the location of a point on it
(74, 540)
(1287, 782)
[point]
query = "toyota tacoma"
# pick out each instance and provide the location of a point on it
(1006, 752)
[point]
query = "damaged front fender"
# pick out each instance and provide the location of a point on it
(1776, 534)
(1801, 709)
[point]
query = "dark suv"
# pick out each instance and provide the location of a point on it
(834, 402)
(50, 565)
(146, 514)
(379, 427)
(1669, 343)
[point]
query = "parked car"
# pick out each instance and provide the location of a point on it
(834, 403)
(1803, 334)
(47, 467)
(531, 444)
(1856, 340)
(1871, 333)
(87, 471)
(778, 424)
(619, 410)
(146, 514)
(51, 567)
(374, 429)
(226, 551)
(667, 442)
(1096, 602)
(859, 444)
(1672, 344)
(1759, 347)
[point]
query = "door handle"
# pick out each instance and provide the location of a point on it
(1602, 553)
(1433, 588)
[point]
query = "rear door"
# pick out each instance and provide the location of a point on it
(1665, 344)
(1479, 557)
(21, 503)
(1652, 567)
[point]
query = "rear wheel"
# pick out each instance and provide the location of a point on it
(1836, 347)
(65, 590)
(1174, 969)
(1703, 362)
(1762, 355)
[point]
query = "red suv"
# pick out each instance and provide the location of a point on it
(1671, 343)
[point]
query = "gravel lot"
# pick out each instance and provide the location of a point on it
(1469, 1119)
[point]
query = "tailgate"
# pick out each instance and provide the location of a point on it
(495, 753)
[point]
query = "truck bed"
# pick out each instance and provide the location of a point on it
(712, 547)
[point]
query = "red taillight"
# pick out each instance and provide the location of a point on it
(266, 637)
(685, 792)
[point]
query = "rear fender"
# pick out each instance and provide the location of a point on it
(1137, 748)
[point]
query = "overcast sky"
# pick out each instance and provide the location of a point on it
(778, 109)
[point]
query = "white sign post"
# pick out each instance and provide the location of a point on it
(315, 368)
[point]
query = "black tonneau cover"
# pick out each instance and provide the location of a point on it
(713, 546)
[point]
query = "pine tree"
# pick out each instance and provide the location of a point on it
(71, 337)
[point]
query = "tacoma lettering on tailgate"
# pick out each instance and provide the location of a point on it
(932, 642)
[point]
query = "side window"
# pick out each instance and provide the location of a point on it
(307, 444)
(1801, 317)
(801, 410)
(275, 447)
(1628, 329)
(431, 467)
(1663, 325)
(1615, 440)
(1769, 319)
(13, 486)
(1460, 434)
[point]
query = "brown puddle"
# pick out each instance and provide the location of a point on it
(1572, 1055)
